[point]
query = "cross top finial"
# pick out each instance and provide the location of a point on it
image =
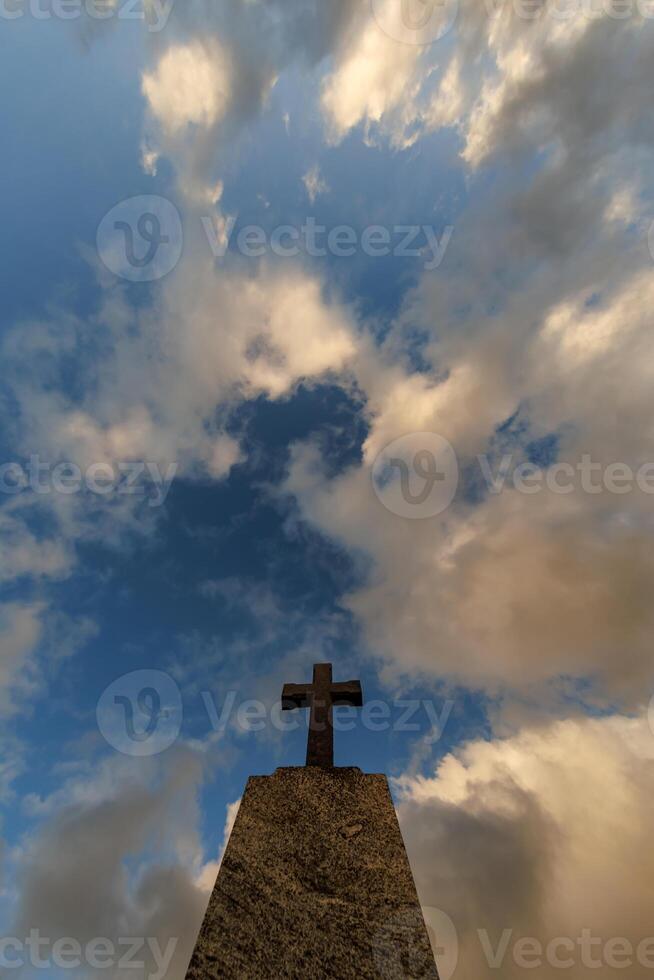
(320, 697)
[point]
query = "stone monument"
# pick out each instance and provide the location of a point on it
(315, 881)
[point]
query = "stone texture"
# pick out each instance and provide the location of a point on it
(315, 882)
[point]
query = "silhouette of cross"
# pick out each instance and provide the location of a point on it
(321, 696)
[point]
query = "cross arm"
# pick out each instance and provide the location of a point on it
(296, 696)
(347, 692)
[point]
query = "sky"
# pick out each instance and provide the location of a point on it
(326, 336)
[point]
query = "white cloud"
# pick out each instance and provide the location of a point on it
(25, 554)
(521, 101)
(149, 160)
(225, 453)
(125, 838)
(516, 589)
(551, 317)
(545, 316)
(315, 183)
(206, 878)
(489, 594)
(544, 833)
(375, 77)
(190, 85)
(162, 392)
(34, 638)
(21, 628)
(512, 93)
(213, 340)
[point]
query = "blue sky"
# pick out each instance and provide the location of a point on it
(274, 390)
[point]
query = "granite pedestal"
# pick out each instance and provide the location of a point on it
(315, 882)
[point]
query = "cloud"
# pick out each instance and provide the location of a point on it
(542, 310)
(159, 381)
(536, 63)
(34, 639)
(190, 85)
(501, 77)
(201, 90)
(117, 859)
(489, 593)
(206, 878)
(212, 73)
(540, 313)
(170, 375)
(374, 78)
(314, 183)
(544, 834)
(161, 391)
(26, 554)
(20, 632)
(34, 635)
(225, 454)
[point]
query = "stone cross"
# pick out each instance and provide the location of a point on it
(315, 880)
(320, 696)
